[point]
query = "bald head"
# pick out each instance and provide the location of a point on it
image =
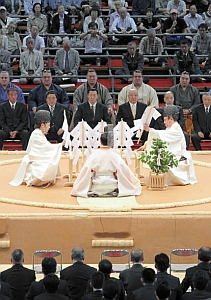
(169, 98)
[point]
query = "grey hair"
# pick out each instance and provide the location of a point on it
(151, 31)
(171, 111)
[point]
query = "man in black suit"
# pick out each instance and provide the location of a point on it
(131, 278)
(51, 283)
(133, 110)
(110, 290)
(96, 283)
(202, 121)
(13, 120)
(169, 100)
(57, 116)
(18, 277)
(147, 292)
(37, 288)
(162, 264)
(204, 258)
(5, 291)
(78, 274)
(92, 111)
(200, 281)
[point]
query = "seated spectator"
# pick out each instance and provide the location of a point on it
(146, 94)
(39, 43)
(37, 287)
(4, 20)
(13, 120)
(66, 62)
(207, 68)
(201, 5)
(161, 7)
(131, 61)
(14, 42)
(93, 44)
(152, 45)
(31, 64)
(61, 24)
(112, 5)
(149, 22)
(202, 121)
(147, 291)
(193, 20)
(13, 6)
(200, 281)
(37, 19)
(96, 282)
(85, 12)
(4, 58)
(179, 5)
(162, 265)
(185, 60)
(207, 17)
(51, 284)
(201, 43)
(49, 16)
(28, 6)
(174, 24)
(18, 276)
(139, 7)
(57, 112)
(123, 25)
(94, 17)
(81, 93)
(162, 290)
(110, 290)
(4, 39)
(40, 166)
(117, 5)
(105, 173)
(5, 84)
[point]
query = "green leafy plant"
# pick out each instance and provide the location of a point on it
(159, 159)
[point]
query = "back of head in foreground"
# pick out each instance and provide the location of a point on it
(17, 256)
(51, 283)
(41, 117)
(48, 265)
(171, 111)
(163, 290)
(110, 289)
(77, 254)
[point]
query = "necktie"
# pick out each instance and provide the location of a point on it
(52, 110)
(66, 68)
(13, 107)
(93, 112)
(134, 111)
(206, 111)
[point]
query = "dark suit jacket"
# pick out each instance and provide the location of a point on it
(77, 276)
(19, 279)
(93, 295)
(201, 122)
(58, 116)
(174, 284)
(84, 112)
(17, 120)
(3, 297)
(5, 290)
(187, 281)
(56, 25)
(48, 296)
(131, 279)
(181, 119)
(146, 292)
(196, 295)
(37, 288)
(4, 59)
(130, 64)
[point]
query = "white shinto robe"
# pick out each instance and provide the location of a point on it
(97, 176)
(184, 173)
(41, 163)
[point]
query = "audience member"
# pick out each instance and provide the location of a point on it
(161, 265)
(37, 19)
(67, 63)
(110, 290)
(31, 64)
(28, 6)
(40, 166)
(202, 121)
(37, 287)
(85, 12)
(131, 61)
(161, 7)
(185, 60)
(207, 17)
(61, 24)
(96, 282)
(18, 277)
(123, 26)
(151, 45)
(201, 43)
(94, 17)
(5, 84)
(51, 284)
(200, 282)
(94, 44)
(179, 5)
(4, 59)
(92, 111)
(78, 274)
(4, 20)
(14, 41)
(186, 96)
(169, 100)
(13, 7)
(49, 16)
(139, 7)
(149, 22)
(147, 291)
(193, 20)
(5, 291)
(4, 39)
(146, 94)
(162, 290)
(131, 277)
(118, 4)
(39, 43)
(57, 112)
(13, 120)
(81, 93)
(201, 5)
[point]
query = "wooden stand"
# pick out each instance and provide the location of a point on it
(157, 181)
